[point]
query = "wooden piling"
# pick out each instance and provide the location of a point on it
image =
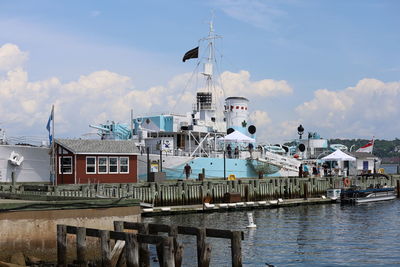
(118, 255)
(305, 187)
(144, 254)
(62, 245)
(236, 248)
(398, 188)
(178, 249)
(131, 250)
(206, 256)
(81, 246)
(201, 242)
(168, 252)
(203, 249)
(105, 248)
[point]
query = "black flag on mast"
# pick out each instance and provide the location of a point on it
(194, 53)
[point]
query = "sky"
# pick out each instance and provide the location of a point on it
(332, 66)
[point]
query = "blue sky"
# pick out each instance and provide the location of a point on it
(332, 66)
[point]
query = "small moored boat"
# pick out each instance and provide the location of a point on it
(355, 195)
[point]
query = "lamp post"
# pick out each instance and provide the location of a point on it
(300, 131)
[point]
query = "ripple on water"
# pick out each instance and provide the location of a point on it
(316, 235)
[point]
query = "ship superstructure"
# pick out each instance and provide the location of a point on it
(198, 138)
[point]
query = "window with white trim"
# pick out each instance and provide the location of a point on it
(103, 165)
(90, 164)
(113, 164)
(65, 165)
(124, 165)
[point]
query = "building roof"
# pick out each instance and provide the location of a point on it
(85, 146)
(363, 155)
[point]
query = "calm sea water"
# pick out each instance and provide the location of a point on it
(316, 235)
(389, 168)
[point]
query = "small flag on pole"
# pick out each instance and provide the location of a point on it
(50, 124)
(194, 53)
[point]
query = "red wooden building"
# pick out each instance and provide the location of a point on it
(95, 161)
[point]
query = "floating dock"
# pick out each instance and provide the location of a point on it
(238, 206)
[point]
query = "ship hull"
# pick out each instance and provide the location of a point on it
(35, 166)
(173, 166)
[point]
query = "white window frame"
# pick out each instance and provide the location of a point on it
(95, 165)
(127, 164)
(98, 165)
(59, 164)
(109, 165)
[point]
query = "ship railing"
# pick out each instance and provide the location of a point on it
(28, 140)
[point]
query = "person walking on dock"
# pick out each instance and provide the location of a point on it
(187, 170)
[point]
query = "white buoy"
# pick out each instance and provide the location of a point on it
(251, 220)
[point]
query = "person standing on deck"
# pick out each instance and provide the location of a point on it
(301, 171)
(187, 170)
(305, 170)
(251, 149)
(229, 149)
(236, 153)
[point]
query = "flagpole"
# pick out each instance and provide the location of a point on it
(53, 147)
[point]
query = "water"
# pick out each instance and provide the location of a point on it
(315, 235)
(390, 168)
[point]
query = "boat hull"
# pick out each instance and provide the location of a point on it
(214, 167)
(376, 198)
(367, 195)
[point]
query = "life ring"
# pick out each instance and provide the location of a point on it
(346, 182)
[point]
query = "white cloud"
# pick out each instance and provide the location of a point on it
(260, 118)
(105, 95)
(240, 84)
(371, 108)
(11, 57)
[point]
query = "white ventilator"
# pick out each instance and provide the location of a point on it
(251, 220)
(16, 159)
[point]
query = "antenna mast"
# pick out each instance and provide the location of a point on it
(208, 66)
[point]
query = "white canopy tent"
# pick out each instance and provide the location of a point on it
(338, 155)
(237, 137)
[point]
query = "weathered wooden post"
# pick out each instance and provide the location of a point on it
(203, 249)
(81, 246)
(206, 256)
(246, 193)
(168, 252)
(61, 245)
(144, 254)
(178, 249)
(305, 187)
(118, 255)
(398, 188)
(105, 248)
(131, 250)
(236, 248)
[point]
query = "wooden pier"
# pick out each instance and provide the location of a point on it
(191, 192)
(131, 249)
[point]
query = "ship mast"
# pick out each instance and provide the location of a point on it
(208, 65)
